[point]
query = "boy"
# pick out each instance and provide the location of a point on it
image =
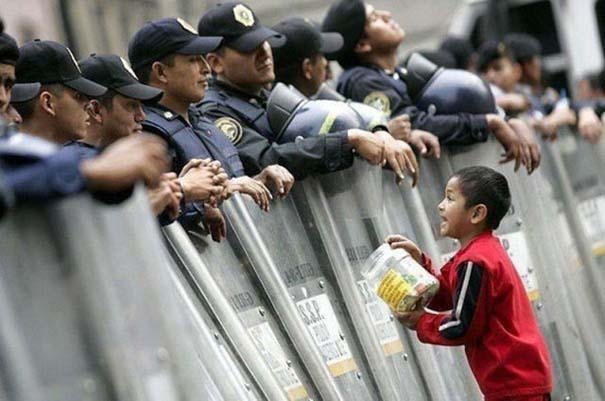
(482, 303)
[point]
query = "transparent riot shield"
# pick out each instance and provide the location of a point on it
(352, 211)
(226, 284)
(303, 296)
(529, 234)
(85, 288)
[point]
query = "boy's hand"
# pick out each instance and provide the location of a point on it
(409, 319)
(399, 241)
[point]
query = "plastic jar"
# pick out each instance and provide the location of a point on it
(398, 279)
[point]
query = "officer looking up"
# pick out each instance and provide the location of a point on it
(236, 101)
(117, 114)
(371, 76)
(301, 62)
(168, 54)
(50, 94)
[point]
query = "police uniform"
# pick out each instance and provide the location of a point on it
(388, 92)
(243, 118)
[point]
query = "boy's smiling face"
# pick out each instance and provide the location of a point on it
(457, 218)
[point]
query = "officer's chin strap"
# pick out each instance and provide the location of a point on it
(282, 105)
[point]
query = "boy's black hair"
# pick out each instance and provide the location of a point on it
(483, 185)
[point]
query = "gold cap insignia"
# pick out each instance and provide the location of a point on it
(231, 128)
(186, 26)
(379, 101)
(128, 68)
(243, 15)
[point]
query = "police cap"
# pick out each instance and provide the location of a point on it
(303, 40)
(347, 17)
(491, 51)
(159, 38)
(46, 62)
(9, 51)
(524, 46)
(115, 73)
(240, 27)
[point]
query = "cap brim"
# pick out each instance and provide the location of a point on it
(331, 42)
(86, 87)
(144, 93)
(253, 39)
(25, 92)
(201, 45)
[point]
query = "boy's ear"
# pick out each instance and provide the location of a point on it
(363, 46)
(479, 214)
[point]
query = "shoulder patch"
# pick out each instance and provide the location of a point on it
(379, 101)
(231, 128)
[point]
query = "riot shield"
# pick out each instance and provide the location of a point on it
(237, 303)
(303, 296)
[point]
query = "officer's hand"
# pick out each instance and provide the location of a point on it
(134, 158)
(400, 242)
(214, 222)
(400, 157)
(400, 127)
(513, 102)
(256, 189)
(409, 319)
(203, 183)
(277, 178)
(367, 145)
(546, 128)
(530, 147)
(589, 125)
(508, 138)
(166, 196)
(426, 143)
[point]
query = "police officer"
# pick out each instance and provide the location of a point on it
(118, 114)
(301, 62)
(369, 58)
(236, 102)
(37, 169)
(168, 54)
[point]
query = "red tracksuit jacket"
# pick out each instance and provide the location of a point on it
(484, 307)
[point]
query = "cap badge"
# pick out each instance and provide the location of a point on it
(73, 59)
(379, 101)
(231, 128)
(128, 68)
(243, 15)
(186, 26)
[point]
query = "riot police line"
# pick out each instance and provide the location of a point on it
(280, 311)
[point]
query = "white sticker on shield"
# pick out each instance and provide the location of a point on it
(381, 319)
(592, 215)
(515, 245)
(320, 319)
(269, 347)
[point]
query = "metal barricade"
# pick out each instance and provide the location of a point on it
(528, 233)
(303, 297)
(352, 211)
(84, 309)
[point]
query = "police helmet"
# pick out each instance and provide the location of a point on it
(447, 91)
(292, 115)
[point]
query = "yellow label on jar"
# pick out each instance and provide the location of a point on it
(393, 288)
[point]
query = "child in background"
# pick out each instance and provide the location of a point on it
(482, 303)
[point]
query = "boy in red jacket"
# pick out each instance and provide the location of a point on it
(481, 302)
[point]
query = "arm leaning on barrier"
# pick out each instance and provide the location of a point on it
(426, 143)
(530, 148)
(509, 139)
(399, 156)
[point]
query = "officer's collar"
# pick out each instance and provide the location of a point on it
(169, 114)
(259, 99)
(398, 74)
